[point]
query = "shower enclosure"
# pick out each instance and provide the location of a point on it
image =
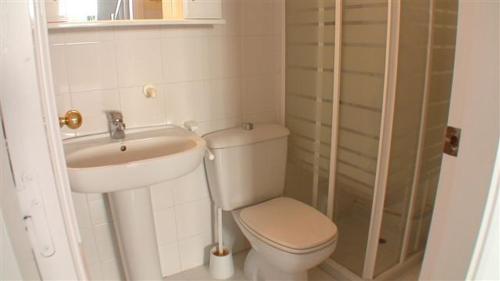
(368, 86)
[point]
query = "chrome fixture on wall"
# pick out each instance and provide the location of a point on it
(116, 125)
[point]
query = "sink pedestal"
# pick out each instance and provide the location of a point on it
(134, 222)
(98, 164)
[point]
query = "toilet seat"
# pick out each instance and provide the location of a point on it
(289, 225)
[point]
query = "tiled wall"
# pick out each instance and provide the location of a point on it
(183, 217)
(217, 75)
(99, 244)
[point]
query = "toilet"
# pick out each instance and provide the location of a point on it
(247, 178)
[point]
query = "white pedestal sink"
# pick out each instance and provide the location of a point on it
(126, 169)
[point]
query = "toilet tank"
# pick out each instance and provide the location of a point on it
(249, 165)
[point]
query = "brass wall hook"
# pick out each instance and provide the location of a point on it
(73, 119)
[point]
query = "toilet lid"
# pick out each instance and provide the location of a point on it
(289, 223)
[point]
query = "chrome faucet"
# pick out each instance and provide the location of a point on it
(116, 125)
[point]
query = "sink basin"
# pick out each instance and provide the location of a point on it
(97, 164)
(126, 169)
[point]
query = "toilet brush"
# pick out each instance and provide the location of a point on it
(219, 232)
(221, 259)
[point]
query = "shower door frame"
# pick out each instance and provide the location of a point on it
(384, 147)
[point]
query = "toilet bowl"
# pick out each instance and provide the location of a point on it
(246, 176)
(284, 247)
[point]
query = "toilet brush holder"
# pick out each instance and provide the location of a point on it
(221, 265)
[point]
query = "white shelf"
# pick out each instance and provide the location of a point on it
(125, 23)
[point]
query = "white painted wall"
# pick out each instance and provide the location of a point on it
(465, 181)
(217, 75)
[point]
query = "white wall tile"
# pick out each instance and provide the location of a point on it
(94, 271)
(93, 105)
(170, 259)
(89, 35)
(111, 271)
(91, 66)
(138, 33)
(261, 117)
(277, 49)
(138, 62)
(194, 250)
(183, 102)
(105, 240)
(166, 227)
(89, 246)
(231, 12)
(161, 196)
(259, 94)
(99, 212)
(141, 111)
(260, 55)
(193, 218)
(278, 16)
(57, 37)
(185, 58)
(186, 31)
(63, 103)
(192, 187)
(220, 124)
(82, 210)
(257, 17)
(225, 56)
(59, 69)
(95, 196)
(225, 95)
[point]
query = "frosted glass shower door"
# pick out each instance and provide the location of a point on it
(444, 32)
(362, 76)
(309, 92)
(424, 79)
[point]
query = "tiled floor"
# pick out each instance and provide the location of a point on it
(353, 237)
(411, 274)
(201, 273)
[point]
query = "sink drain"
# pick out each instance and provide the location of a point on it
(123, 148)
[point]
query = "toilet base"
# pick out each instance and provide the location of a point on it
(257, 268)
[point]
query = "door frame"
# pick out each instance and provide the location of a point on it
(35, 98)
(32, 135)
(467, 182)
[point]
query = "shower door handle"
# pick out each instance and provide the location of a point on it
(452, 141)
